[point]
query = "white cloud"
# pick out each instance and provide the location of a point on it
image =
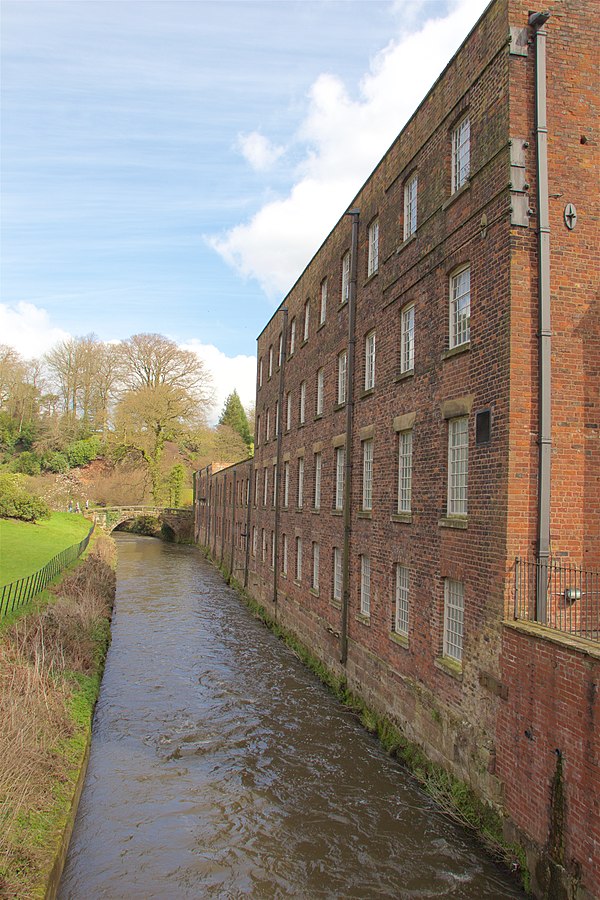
(229, 373)
(343, 139)
(27, 328)
(258, 150)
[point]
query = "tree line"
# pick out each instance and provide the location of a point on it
(125, 400)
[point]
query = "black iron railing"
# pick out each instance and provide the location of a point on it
(18, 593)
(559, 595)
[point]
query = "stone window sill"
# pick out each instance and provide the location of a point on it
(405, 517)
(337, 512)
(318, 416)
(460, 522)
(364, 514)
(371, 277)
(450, 666)
(316, 511)
(364, 620)
(456, 351)
(336, 603)
(404, 376)
(339, 406)
(314, 592)
(321, 325)
(368, 392)
(406, 242)
(303, 342)
(400, 639)
(463, 189)
(299, 509)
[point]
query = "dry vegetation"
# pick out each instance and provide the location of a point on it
(50, 666)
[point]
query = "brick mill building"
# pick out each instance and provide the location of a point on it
(423, 506)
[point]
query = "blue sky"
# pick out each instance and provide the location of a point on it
(172, 166)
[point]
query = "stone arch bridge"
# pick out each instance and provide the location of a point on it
(177, 524)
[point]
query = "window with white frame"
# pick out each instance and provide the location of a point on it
(257, 430)
(300, 495)
(460, 307)
(320, 390)
(373, 258)
(292, 336)
(286, 483)
(284, 554)
(280, 352)
(274, 485)
(265, 486)
(270, 360)
(288, 418)
(458, 465)
(337, 573)
(454, 615)
(315, 567)
(302, 409)
(461, 154)
(254, 540)
(342, 372)
(272, 549)
(260, 372)
(276, 418)
(256, 487)
(370, 361)
(298, 559)
(405, 455)
(340, 461)
(323, 307)
(306, 320)
(410, 206)
(367, 486)
(345, 276)
(365, 585)
(268, 426)
(407, 338)
(402, 597)
(317, 496)
(264, 545)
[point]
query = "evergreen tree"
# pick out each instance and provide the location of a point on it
(234, 415)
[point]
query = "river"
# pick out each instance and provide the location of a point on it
(220, 767)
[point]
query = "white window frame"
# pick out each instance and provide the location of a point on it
(256, 487)
(458, 465)
(302, 404)
(365, 585)
(402, 600)
(367, 484)
(268, 427)
(258, 431)
(289, 411)
(345, 277)
(373, 257)
(323, 307)
(318, 467)
(298, 559)
(460, 307)
(300, 494)
(342, 377)
(274, 485)
(338, 575)
(461, 154)
(320, 390)
(405, 466)
(280, 353)
(315, 566)
(270, 360)
(264, 545)
(284, 555)
(254, 540)
(407, 338)
(306, 320)
(340, 465)
(276, 418)
(292, 336)
(260, 372)
(410, 206)
(272, 549)
(286, 484)
(454, 619)
(265, 485)
(370, 361)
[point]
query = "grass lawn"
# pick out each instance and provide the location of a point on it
(26, 547)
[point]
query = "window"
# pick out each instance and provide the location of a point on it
(407, 339)
(280, 353)
(461, 154)
(303, 403)
(288, 418)
(254, 540)
(337, 573)
(367, 493)
(274, 485)
(323, 309)
(342, 367)
(315, 568)
(257, 430)
(265, 486)
(370, 361)
(317, 498)
(454, 612)
(276, 418)
(286, 483)
(260, 372)
(300, 495)
(365, 585)
(320, 391)
(345, 277)
(292, 336)
(458, 462)
(306, 320)
(373, 263)
(404, 471)
(264, 544)
(340, 461)
(460, 307)
(298, 559)
(272, 549)
(268, 426)
(284, 554)
(270, 360)
(401, 611)
(410, 207)
(256, 488)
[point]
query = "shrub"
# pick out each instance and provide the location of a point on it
(80, 453)
(27, 463)
(53, 461)
(17, 503)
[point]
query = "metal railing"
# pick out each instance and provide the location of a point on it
(20, 592)
(559, 595)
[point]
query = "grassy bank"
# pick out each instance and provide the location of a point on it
(51, 663)
(27, 546)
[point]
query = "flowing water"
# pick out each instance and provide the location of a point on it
(220, 767)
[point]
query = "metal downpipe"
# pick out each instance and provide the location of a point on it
(278, 474)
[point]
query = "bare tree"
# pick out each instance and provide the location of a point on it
(152, 360)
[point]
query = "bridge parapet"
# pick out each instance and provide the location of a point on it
(179, 521)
